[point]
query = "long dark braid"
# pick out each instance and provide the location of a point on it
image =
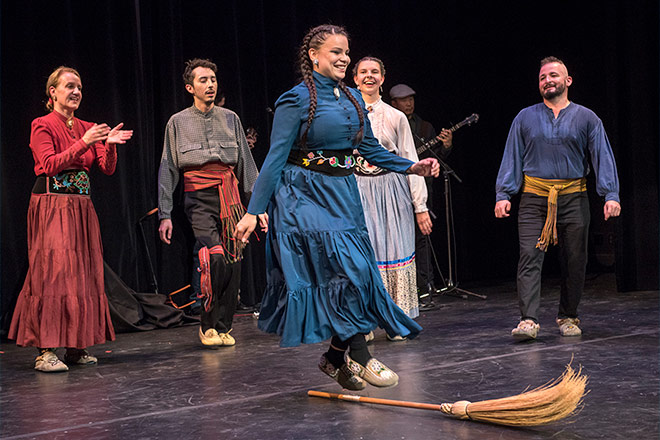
(306, 69)
(314, 39)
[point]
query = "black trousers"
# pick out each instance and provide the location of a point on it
(573, 219)
(423, 257)
(203, 210)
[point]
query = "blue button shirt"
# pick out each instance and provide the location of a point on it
(540, 145)
(335, 125)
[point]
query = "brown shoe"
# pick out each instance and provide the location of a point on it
(569, 327)
(48, 362)
(343, 375)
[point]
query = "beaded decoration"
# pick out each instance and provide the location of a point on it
(333, 161)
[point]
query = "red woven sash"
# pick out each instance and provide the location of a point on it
(231, 210)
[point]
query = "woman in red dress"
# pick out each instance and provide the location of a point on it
(63, 302)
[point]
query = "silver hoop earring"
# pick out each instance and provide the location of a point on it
(316, 62)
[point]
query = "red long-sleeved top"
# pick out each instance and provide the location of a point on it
(56, 148)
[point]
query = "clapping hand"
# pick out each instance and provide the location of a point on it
(96, 133)
(119, 136)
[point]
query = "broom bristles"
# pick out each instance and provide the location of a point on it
(548, 403)
(551, 402)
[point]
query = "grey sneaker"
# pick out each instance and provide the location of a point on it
(526, 329)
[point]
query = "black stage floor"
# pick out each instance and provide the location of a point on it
(163, 384)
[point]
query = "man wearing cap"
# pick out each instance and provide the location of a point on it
(403, 98)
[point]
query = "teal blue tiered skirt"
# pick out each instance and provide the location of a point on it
(323, 279)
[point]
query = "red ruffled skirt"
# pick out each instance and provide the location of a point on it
(63, 301)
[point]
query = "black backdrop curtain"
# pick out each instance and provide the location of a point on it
(460, 56)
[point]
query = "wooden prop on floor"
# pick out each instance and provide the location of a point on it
(549, 403)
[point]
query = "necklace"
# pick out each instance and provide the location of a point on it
(336, 92)
(70, 123)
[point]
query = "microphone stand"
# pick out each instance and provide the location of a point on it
(451, 288)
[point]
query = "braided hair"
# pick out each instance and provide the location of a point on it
(314, 40)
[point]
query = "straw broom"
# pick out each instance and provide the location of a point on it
(549, 403)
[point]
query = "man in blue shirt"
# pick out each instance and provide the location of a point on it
(546, 155)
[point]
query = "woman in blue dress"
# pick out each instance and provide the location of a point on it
(323, 280)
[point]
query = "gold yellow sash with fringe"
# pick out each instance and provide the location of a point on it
(551, 188)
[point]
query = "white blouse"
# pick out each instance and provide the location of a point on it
(391, 128)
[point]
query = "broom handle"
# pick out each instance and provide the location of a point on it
(354, 398)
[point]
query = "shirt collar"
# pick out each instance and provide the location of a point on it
(324, 80)
(201, 113)
(549, 110)
(61, 116)
(375, 105)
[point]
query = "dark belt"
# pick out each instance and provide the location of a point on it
(66, 182)
(364, 168)
(330, 162)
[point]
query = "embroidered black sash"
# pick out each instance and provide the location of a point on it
(364, 168)
(66, 182)
(331, 162)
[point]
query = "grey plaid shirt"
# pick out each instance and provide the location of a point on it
(194, 138)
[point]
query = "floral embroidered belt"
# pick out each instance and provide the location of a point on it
(331, 162)
(364, 168)
(66, 182)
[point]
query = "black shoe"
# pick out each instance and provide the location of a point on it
(425, 298)
(426, 305)
(242, 308)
